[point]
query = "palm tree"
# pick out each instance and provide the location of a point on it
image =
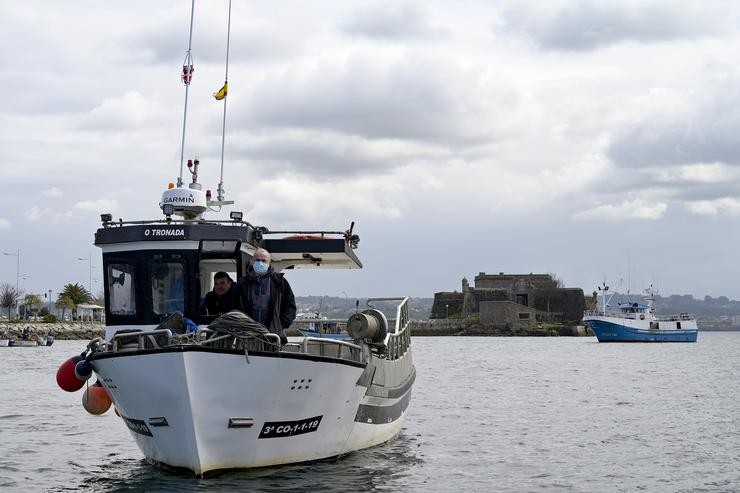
(75, 294)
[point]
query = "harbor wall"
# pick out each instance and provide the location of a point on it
(59, 331)
(473, 328)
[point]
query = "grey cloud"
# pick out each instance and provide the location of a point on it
(709, 135)
(162, 43)
(411, 100)
(392, 22)
(307, 156)
(588, 24)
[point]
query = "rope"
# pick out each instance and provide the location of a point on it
(241, 327)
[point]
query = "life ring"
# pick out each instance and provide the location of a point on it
(642, 316)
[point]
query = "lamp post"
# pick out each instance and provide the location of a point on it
(89, 260)
(17, 256)
(50, 302)
(346, 299)
(447, 312)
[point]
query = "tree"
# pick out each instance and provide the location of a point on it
(63, 302)
(9, 296)
(33, 301)
(74, 294)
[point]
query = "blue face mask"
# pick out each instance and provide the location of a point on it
(260, 267)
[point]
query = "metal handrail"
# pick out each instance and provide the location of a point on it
(141, 337)
(634, 316)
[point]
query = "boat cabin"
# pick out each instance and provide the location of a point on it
(634, 310)
(153, 269)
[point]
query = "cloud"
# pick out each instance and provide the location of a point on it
(629, 209)
(130, 111)
(329, 154)
(52, 192)
(589, 24)
(392, 22)
(98, 206)
(412, 98)
(37, 213)
(297, 201)
(727, 206)
(4, 223)
(701, 130)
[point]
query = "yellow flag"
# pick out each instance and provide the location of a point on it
(222, 92)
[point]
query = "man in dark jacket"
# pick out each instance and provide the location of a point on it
(266, 296)
(221, 300)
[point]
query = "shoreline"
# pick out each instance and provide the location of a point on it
(419, 328)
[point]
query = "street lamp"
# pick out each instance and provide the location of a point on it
(17, 254)
(50, 301)
(89, 260)
(346, 299)
(447, 312)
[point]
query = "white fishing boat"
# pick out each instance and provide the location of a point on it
(637, 322)
(204, 394)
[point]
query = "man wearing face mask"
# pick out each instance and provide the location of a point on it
(266, 296)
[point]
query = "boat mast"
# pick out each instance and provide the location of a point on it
(220, 191)
(187, 74)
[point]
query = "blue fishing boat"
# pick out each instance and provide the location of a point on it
(637, 322)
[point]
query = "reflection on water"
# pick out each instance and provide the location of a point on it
(381, 468)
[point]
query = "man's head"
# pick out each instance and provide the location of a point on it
(261, 261)
(221, 283)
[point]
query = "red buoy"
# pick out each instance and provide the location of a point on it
(96, 400)
(66, 378)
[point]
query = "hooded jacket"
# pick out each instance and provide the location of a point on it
(281, 307)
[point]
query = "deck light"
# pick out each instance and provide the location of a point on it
(236, 215)
(106, 218)
(168, 209)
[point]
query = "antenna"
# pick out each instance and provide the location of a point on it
(220, 192)
(187, 76)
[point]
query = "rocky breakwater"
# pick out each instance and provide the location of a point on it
(473, 328)
(59, 331)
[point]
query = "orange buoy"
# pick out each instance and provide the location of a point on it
(66, 378)
(96, 400)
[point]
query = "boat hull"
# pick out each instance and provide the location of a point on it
(619, 331)
(207, 410)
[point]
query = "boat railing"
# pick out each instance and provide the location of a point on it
(676, 318)
(140, 340)
(330, 348)
(398, 339)
(635, 316)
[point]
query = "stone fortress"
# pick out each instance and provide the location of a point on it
(512, 301)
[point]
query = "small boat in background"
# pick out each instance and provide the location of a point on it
(637, 322)
(316, 325)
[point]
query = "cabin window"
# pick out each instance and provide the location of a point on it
(121, 284)
(168, 287)
(522, 299)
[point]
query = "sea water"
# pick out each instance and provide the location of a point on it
(487, 414)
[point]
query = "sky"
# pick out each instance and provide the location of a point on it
(594, 140)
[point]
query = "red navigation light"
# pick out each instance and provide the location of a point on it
(190, 163)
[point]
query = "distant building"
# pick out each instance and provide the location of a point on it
(517, 301)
